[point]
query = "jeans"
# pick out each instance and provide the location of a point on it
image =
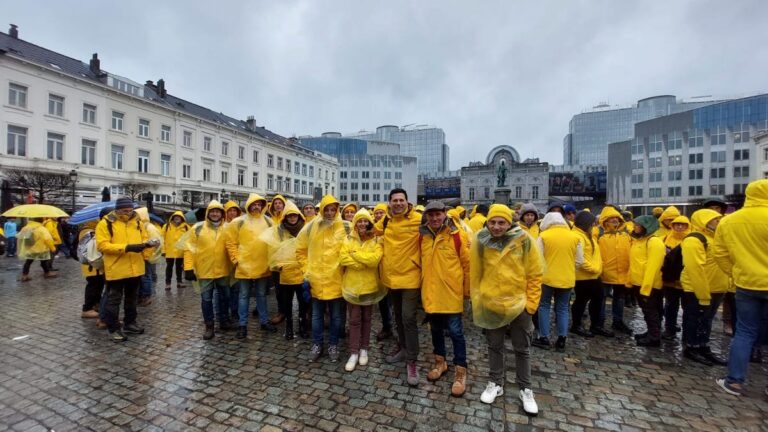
(672, 299)
(94, 285)
(562, 298)
(318, 315)
(652, 307)
(588, 291)
(619, 293)
(751, 307)
(259, 287)
(439, 323)
(359, 327)
(45, 264)
(170, 264)
(385, 310)
(693, 320)
(709, 316)
(10, 246)
(148, 280)
(121, 290)
(221, 290)
(405, 303)
(521, 333)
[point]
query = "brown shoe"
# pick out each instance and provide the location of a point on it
(146, 301)
(180, 285)
(277, 319)
(89, 314)
(459, 382)
(51, 275)
(101, 325)
(26, 278)
(167, 287)
(439, 369)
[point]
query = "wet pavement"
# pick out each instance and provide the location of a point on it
(58, 372)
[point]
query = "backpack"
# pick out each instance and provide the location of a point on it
(673, 260)
(456, 242)
(88, 253)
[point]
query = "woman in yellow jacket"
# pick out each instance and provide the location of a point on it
(563, 252)
(615, 243)
(646, 258)
(360, 256)
(308, 211)
(704, 286)
(318, 247)
(348, 211)
(232, 211)
(36, 244)
(673, 291)
(206, 261)
(174, 258)
(665, 221)
(529, 217)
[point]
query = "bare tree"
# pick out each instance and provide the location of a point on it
(45, 186)
(134, 191)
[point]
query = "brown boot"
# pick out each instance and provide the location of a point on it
(459, 382)
(277, 319)
(101, 325)
(439, 369)
(26, 278)
(208, 335)
(51, 275)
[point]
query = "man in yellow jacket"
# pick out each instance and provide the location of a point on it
(671, 287)
(665, 221)
(444, 286)
(739, 250)
(400, 272)
(206, 260)
(318, 247)
(125, 244)
(615, 243)
(249, 254)
(646, 258)
(385, 305)
(505, 287)
(477, 222)
(275, 209)
(232, 211)
(174, 257)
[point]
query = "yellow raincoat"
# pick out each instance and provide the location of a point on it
(346, 206)
(562, 252)
(592, 266)
(739, 248)
(277, 217)
(361, 284)
(674, 238)
(453, 214)
(53, 227)
(646, 257)
(318, 246)
(400, 268)
(246, 249)
(281, 245)
(35, 242)
(172, 233)
(231, 205)
(701, 275)
(154, 233)
(614, 249)
(445, 269)
(119, 264)
(670, 213)
(205, 248)
(477, 222)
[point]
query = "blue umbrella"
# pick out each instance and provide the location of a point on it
(91, 213)
(155, 218)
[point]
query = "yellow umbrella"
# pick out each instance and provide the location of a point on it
(35, 211)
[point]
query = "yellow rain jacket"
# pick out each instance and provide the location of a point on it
(739, 248)
(592, 266)
(281, 245)
(35, 242)
(477, 222)
(445, 268)
(318, 247)
(453, 214)
(646, 257)
(701, 275)
(247, 251)
(614, 249)
(346, 206)
(154, 233)
(670, 213)
(172, 234)
(229, 205)
(562, 252)
(460, 210)
(400, 265)
(534, 229)
(276, 217)
(205, 248)
(360, 259)
(505, 277)
(53, 227)
(119, 264)
(674, 238)
(380, 206)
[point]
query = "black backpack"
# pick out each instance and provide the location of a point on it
(673, 261)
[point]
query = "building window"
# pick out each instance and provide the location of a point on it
(486, 192)
(695, 190)
(695, 139)
(740, 171)
(241, 152)
(636, 178)
(518, 192)
(675, 191)
(304, 187)
(270, 182)
(165, 133)
(637, 193)
(55, 146)
(717, 156)
(655, 145)
(717, 189)
(311, 171)
(675, 175)
(88, 152)
(637, 164)
(56, 105)
(718, 172)
(297, 168)
(186, 170)
(224, 148)
(695, 158)
(207, 143)
(353, 174)
(387, 175)
(187, 140)
(165, 165)
(270, 162)
(741, 154)
(255, 180)
(288, 165)
(241, 177)
(398, 176)
(117, 157)
(535, 192)
(143, 161)
(144, 128)
(637, 148)
(206, 173)
(695, 174)
(765, 154)
(741, 134)
(353, 197)
(279, 163)
(304, 169)
(89, 114)
(675, 160)
(654, 162)
(654, 177)
(674, 141)
(255, 156)
(296, 186)
(739, 188)
(117, 120)
(17, 95)
(17, 141)
(717, 136)
(353, 186)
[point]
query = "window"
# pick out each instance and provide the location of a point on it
(17, 95)
(741, 154)
(255, 156)
(17, 141)
(534, 192)
(654, 144)
(377, 174)
(88, 152)
(654, 177)
(279, 183)
(117, 120)
(675, 175)
(165, 165)
(207, 143)
(765, 154)
(471, 194)
(117, 156)
(303, 169)
(486, 192)
(387, 175)
(717, 136)
(297, 168)
(296, 186)
(637, 193)
(270, 182)
(365, 186)
(675, 191)
(353, 197)
(695, 158)
(717, 156)
(270, 163)
(654, 193)
(353, 174)
(637, 164)
(353, 185)
(89, 114)
(518, 192)
(365, 174)
(717, 189)
(637, 178)
(654, 162)
(695, 139)
(311, 171)
(387, 186)
(740, 171)
(55, 146)
(739, 188)
(56, 105)
(165, 133)
(398, 176)
(143, 161)
(206, 173)
(376, 185)
(144, 128)
(717, 173)
(674, 141)
(224, 149)
(241, 152)
(637, 148)
(187, 141)
(675, 160)
(186, 169)
(303, 187)
(365, 197)
(741, 133)
(695, 190)
(288, 165)
(255, 180)
(279, 163)
(241, 177)
(695, 174)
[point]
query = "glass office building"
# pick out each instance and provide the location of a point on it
(426, 143)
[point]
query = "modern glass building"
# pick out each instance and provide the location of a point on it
(426, 143)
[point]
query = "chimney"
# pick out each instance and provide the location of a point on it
(161, 88)
(95, 64)
(149, 84)
(251, 122)
(14, 31)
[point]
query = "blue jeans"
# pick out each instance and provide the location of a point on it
(751, 306)
(219, 291)
(562, 311)
(10, 246)
(438, 324)
(318, 315)
(618, 293)
(259, 288)
(146, 289)
(234, 300)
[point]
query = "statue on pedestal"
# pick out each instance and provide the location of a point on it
(501, 174)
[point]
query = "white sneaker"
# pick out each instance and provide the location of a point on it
(363, 360)
(529, 403)
(491, 392)
(351, 363)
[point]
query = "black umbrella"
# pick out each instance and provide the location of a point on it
(105, 195)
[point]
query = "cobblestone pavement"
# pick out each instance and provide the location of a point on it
(66, 375)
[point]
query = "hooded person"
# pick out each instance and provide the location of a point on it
(679, 229)
(348, 211)
(715, 204)
(385, 306)
(629, 221)
(148, 280)
(379, 211)
(308, 211)
(174, 258)
(232, 211)
(569, 213)
(453, 214)
(529, 217)
(207, 262)
(36, 244)
(589, 289)
(646, 259)
(563, 253)
(317, 248)
(462, 212)
(281, 241)
(665, 221)
(477, 222)
(615, 243)
(275, 209)
(657, 211)
(250, 257)
(360, 255)
(505, 288)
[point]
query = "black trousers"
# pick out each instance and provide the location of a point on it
(121, 290)
(652, 306)
(94, 285)
(170, 264)
(285, 294)
(46, 265)
(588, 291)
(672, 299)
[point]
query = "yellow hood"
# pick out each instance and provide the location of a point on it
(757, 194)
(348, 205)
(380, 206)
(271, 204)
(700, 219)
(214, 204)
(460, 210)
(361, 214)
(232, 204)
(670, 212)
(290, 208)
(607, 213)
(143, 214)
(252, 198)
(326, 201)
(176, 213)
(673, 237)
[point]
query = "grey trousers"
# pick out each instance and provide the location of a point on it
(521, 331)
(405, 302)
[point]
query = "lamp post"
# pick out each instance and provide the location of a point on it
(173, 194)
(221, 196)
(73, 178)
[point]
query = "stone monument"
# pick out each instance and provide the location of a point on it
(502, 193)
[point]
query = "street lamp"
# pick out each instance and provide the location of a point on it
(221, 196)
(73, 177)
(174, 197)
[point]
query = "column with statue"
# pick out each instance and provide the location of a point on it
(502, 193)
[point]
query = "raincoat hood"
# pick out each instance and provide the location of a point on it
(607, 213)
(232, 204)
(552, 219)
(348, 205)
(290, 208)
(214, 204)
(325, 202)
(650, 223)
(380, 206)
(143, 214)
(670, 212)
(271, 205)
(757, 194)
(679, 236)
(460, 209)
(700, 219)
(252, 198)
(178, 213)
(528, 208)
(361, 214)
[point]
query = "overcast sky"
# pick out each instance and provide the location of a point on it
(487, 73)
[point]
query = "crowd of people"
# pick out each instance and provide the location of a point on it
(336, 262)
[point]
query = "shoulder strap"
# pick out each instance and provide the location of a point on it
(198, 228)
(109, 228)
(457, 243)
(385, 223)
(699, 236)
